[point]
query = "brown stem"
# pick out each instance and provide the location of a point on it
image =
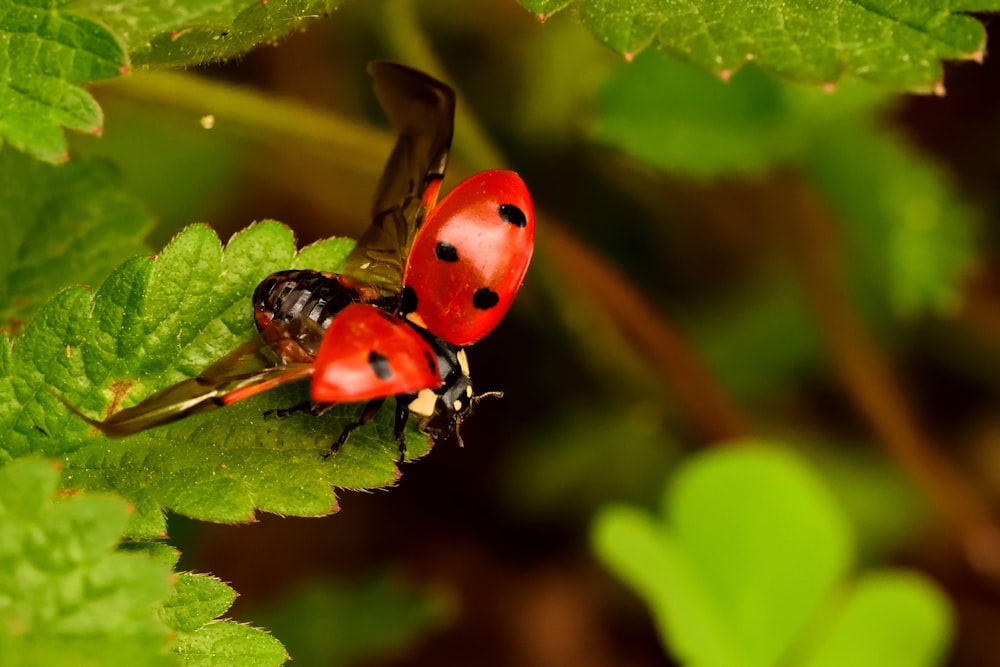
(716, 416)
(867, 376)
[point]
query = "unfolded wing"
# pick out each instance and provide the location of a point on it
(422, 111)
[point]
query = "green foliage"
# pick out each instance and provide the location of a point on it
(894, 44)
(75, 217)
(45, 52)
(747, 566)
(197, 600)
(911, 233)
(151, 324)
(185, 33)
(750, 563)
(352, 623)
(69, 598)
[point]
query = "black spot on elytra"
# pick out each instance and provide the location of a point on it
(485, 298)
(408, 303)
(446, 252)
(512, 214)
(380, 365)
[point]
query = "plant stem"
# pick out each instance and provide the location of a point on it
(868, 377)
(348, 146)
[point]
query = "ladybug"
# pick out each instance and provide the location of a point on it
(425, 280)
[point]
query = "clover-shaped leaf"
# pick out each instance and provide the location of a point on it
(748, 568)
(156, 321)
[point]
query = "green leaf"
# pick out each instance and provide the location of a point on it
(749, 557)
(75, 217)
(156, 321)
(673, 117)
(199, 599)
(44, 53)
(226, 644)
(890, 619)
(66, 596)
(909, 230)
(356, 623)
(895, 44)
(192, 32)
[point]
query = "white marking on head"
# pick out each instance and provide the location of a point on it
(423, 404)
(463, 362)
(416, 319)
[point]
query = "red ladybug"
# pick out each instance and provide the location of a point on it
(424, 281)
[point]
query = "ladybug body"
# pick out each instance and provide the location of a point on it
(424, 281)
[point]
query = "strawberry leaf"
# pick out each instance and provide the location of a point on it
(151, 324)
(186, 33)
(201, 640)
(45, 53)
(66, 596)
(895, 44)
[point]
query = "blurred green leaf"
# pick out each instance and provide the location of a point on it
(673, 117)
(178, 169)
(895, 44)
(75, 217)
(891, 619)
(45, 53)
(909, 230)
(185, 33)
(736, 335)
(349, 624)
(157, 321)
(912, 231)
(572, 467)
(750, 553)
(66, 596)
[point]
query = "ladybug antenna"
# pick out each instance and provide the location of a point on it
(486, 394)
(458, 418)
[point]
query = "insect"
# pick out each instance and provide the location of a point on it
(425, 280)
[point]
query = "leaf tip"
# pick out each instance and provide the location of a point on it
(629, 56)
(542, 18)
(938, 89)
(725, 75)
(124, 69)
(829, 87)
(977, 56)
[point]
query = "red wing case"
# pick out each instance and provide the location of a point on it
(367, 354)
(469, 259)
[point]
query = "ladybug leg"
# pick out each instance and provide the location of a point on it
(367, 414)
(402, 416)
(281, 413)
